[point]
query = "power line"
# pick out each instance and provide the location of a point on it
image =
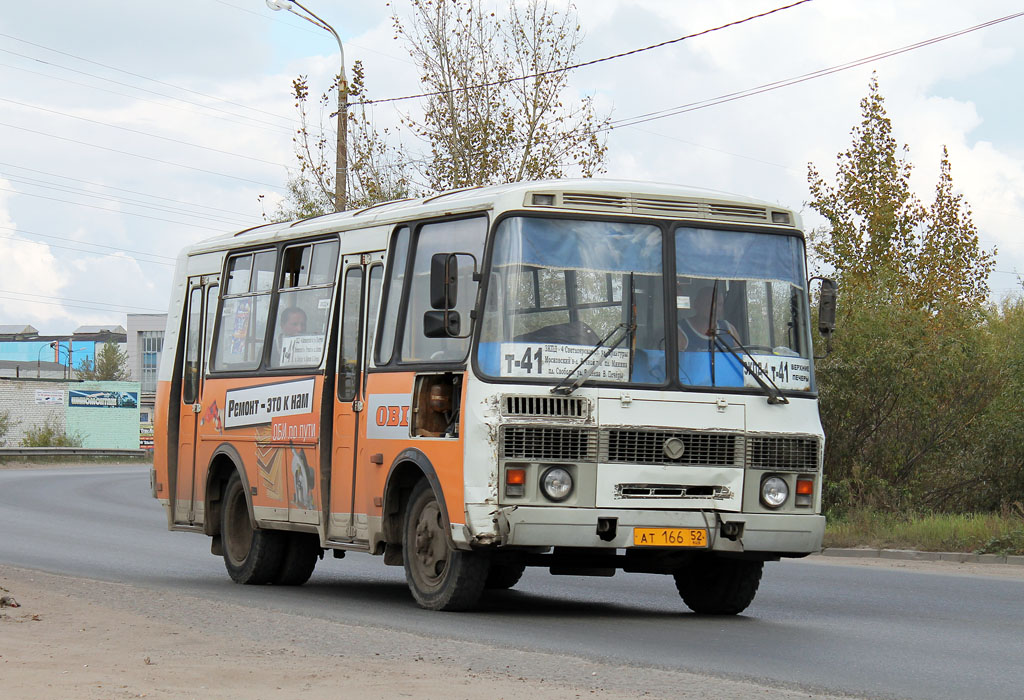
(124, 309)
(767, 87)
(68, 189)
(137, 155)
(565, 69)
(74, 240)
(122, 189)
(142, 89)
(141, 133)
(84, 301)
(135, 75)
(12, 239)
(163, 105)
(112, 211)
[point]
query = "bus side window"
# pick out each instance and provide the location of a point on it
(348, 351)
(304, 304)
(397, 259)
(245, 307)
(190, 382)
(459, 236)
(211, 318)
(372, 302)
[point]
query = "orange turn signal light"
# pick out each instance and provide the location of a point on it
(515, 476)
(805, 487)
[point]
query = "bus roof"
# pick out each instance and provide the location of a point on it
(623, 197)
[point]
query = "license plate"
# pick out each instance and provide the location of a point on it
(670, 537)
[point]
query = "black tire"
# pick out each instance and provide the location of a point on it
(501, 577)
(716, 586)
(301, 553)
(439, 576)
(251, 556)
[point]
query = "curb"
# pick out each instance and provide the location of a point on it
(915, 555)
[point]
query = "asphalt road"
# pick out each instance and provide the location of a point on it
(843, 629)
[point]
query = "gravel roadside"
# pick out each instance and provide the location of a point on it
(87, 639)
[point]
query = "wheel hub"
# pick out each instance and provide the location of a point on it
(431, 544)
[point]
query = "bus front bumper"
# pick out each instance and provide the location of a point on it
(770, 533)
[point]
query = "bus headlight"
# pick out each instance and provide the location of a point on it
(556, 484)
(774, 492)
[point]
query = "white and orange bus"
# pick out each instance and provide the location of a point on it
(580, 375)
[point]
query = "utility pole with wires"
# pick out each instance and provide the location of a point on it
(341, 156)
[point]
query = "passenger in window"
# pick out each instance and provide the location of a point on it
(291, 325)
(293, 322)
(701, 311)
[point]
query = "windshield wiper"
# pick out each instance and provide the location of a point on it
(770, 387)
(628, 328)
(766, 383)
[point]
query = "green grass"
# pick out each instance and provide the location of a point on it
(985, 533)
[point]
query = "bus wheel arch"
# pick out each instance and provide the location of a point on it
(409, 468)
(224, 462)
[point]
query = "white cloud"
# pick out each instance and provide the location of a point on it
(759, 146)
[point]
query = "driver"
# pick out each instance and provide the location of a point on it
(696, 325)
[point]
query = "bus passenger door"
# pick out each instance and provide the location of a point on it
(191, 397)
(361, 281)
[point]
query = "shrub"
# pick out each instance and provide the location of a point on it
(49, 434)
(6, 423)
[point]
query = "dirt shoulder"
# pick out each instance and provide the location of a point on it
(86, 639)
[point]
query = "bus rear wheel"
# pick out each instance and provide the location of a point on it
(439, 576)
(301, 553)
(251, 556)
(718, 586)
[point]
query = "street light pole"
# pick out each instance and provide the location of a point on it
(341, 155)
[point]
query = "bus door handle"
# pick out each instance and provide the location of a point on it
(357, 406)
(197, 408)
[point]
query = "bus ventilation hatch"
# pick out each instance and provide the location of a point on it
(546, 406)
(666, 206)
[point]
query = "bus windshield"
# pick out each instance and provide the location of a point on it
(741, 299)
(558, 287)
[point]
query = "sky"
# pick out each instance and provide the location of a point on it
(132, 129)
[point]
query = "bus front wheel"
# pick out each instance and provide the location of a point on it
(439, 576)
(718, 586)
(251, 556)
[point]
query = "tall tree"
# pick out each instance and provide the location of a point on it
(484, 123)
(952, 270)
(914, 371)
(376, 172)
(872, 212)
(111, 365)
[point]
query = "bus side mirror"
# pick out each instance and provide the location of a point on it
(444, 281)
(442, 324)
(827, 306)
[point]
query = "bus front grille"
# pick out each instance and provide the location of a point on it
(627, 446)
(777, 453)
(541, 443)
